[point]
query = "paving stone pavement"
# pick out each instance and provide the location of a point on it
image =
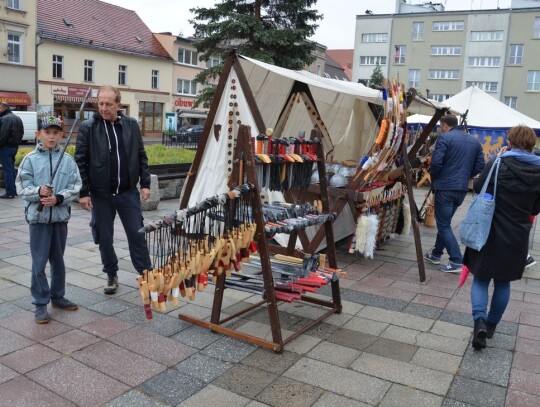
(398, 342)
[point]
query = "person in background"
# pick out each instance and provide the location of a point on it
(48, 226)
(456, 159)
(111, 158)
(11, 134)
(503, 257)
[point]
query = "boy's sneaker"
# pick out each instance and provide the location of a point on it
(64, 304)
(452, 267)
(112, 285)
(530, 261)
(432, 259)
(41, 315)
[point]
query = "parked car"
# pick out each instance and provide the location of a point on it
(192, 134)
(30, 123)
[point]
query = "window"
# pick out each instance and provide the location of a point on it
(486, 62)
(486, 35)
(213, 61)
(155, 79)
(14, 4)
(445, 50)
(536, 27)
(439, 97)
(372, 60)
(319, 69)
(58, 66)
(375, 37)
(122, 74)
(186, 87)
(414, 78)
(399, 58)
(516, 54)
(151, 116)
(533, 80)
(188, 57)
(14, 47)
(443, 74)
(491, 87)
(511, 101)
(88, 70)
(417, 31)
(448, 25)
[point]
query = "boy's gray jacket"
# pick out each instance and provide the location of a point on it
(35, 170)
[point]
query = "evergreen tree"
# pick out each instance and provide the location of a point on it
(377, 76)
(273, 31)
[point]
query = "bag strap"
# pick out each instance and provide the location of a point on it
(486, 182)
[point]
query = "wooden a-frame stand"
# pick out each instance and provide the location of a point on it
(244, 170)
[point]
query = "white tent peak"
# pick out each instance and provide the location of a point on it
(483, 111)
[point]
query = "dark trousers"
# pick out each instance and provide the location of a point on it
(47, 243)
(446, 204)
(128, 207)
(7, 158)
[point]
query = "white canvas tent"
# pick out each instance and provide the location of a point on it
(483, 111)
(342, 106)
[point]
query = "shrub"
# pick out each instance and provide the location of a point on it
(157, 154)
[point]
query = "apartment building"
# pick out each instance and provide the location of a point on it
(440, 52)
(184, 88)
(90, 43)
(17, 53)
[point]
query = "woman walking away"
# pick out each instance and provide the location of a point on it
(503, 257)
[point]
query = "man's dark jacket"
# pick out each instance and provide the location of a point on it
(92, 155)
(457, 158)
(11, 129)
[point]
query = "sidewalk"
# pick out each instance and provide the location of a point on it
(397, 343)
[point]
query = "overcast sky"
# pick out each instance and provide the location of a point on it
(336, 29)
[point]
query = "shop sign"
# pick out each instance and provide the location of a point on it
(183, 102)
(72, 91)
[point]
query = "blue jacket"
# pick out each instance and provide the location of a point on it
(457, 158)
(34, 171)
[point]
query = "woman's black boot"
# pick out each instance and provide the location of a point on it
(490, 328)
(480, 334)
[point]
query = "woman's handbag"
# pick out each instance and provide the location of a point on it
(474, 229)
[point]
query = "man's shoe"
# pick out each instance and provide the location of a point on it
(41, 315)
(452, 267)
(6, 196)
(530, 261)
(479, 334)
(432, 259)
(490, 329)
(112, 285)
(64, 304)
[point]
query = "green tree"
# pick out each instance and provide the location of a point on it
(273, 31)
(377, 76)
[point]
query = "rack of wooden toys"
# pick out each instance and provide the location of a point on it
(225, 238)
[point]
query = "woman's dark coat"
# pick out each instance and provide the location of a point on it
(518, 197)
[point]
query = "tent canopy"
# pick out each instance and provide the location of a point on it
(483, 111)
(343, 106)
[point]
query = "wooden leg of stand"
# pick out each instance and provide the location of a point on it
(218, 299)
(414, 215)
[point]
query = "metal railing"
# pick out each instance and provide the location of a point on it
(189, 142)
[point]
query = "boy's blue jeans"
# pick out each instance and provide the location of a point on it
(499, 300)
(47, 244)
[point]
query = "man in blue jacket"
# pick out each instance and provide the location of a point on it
(456, 159)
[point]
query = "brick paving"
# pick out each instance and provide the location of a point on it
(398, 342)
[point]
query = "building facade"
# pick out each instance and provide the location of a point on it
(80, 48)
(440, 53)
(17, 53)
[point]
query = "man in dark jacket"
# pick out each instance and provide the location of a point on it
(11, 134)
(456, 159)
(111, 158)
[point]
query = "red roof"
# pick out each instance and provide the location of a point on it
(95, 24)
(344, 57)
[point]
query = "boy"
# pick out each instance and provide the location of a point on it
(48, 226)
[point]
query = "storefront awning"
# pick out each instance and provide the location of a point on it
(16, 98)
(77, 99)
(193, 113)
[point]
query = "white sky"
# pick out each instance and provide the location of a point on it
(336, 29)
